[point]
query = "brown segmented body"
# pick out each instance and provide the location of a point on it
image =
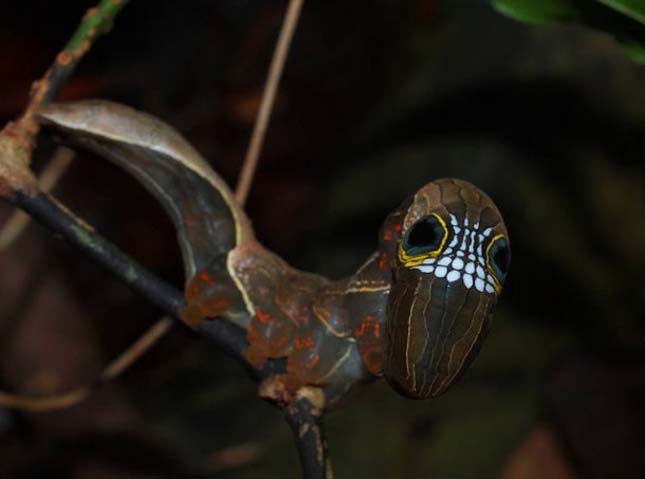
(412, 312)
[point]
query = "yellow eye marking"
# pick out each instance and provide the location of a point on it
(498, 286)
(416, 260)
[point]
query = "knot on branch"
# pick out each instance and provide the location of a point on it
(15, 155)
(278, 390)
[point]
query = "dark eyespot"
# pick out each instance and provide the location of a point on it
(427, 235)
(499, 257)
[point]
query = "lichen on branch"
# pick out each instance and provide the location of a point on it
(96, 22)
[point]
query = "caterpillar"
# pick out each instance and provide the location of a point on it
(416, 312)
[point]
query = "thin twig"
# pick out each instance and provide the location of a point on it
(49, 403)
(234, 457)
(138, 348)
(113, 369)
(48, 179)
(304, 418)
(264, 114)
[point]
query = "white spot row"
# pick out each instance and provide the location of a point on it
(454, 267)
(457, 263)
(454, 275)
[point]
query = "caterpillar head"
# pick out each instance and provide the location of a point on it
(449, 253)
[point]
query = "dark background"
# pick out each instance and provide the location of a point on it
(378, 98)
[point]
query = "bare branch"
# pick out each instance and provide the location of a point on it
(270, 88)
(138, 348)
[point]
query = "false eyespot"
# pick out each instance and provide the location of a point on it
(498, 257)
(425, 239)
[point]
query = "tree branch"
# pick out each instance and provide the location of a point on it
(304, 415)
(53, 215)
(95, 22)
(50, 176)
(306, 423)
(264, 114)
(18, 186)
(170, 300)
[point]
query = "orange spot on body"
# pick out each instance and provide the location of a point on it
(387, 235)
(252, 334)
(271, 344)
(382, 262)
(373, 359)
(205, 277)
(369, 323)
(302, 343)
(193, 292)
(216, 306)
(192, 315)
(277, 346)
(255, 356)
(198, 286)
(264, 318)
(315, 360)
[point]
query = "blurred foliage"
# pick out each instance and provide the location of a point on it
(624, 19)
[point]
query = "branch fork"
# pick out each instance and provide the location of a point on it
(303, 409)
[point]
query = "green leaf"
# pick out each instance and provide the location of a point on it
(636, 51)
(536, 12)
(635, 9)
(623, 19)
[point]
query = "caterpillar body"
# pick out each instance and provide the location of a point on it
(415, 312)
